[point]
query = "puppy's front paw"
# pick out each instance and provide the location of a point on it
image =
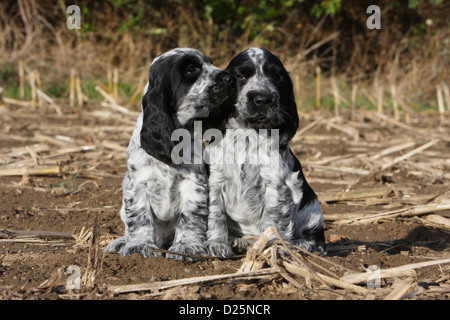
(219, 249)
(311, 246)
(116, 245)
(241, 244)
(186, 250)
(144, 249)
(312, 240)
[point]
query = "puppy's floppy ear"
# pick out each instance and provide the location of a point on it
(291, 122)
(158, 125)
(293, 114)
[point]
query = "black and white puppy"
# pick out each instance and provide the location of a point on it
(264, 188)
(165, 205)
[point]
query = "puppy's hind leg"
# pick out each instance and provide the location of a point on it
(117, 244)
(137, 215)
(140, 232)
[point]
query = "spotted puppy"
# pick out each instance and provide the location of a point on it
(251, 188)
(164, 204)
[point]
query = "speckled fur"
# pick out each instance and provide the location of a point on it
(165, 206)
(267, 188)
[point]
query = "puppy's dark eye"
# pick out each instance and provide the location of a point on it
(240, 76)
(190, 69)
(278, 77)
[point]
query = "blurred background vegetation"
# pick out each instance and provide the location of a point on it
(411, 50)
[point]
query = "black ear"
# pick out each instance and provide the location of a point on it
(290, 126)
(157, 125)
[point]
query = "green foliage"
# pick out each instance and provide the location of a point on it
(330, 7)
(243, 16)
(10, 84)
(126, 89)
(89, 88)
(137, 11)
(121, 3)
(6, 71)
(14, 92)
(57, 89)
(249, 16)
(9, 81)
(413, 4)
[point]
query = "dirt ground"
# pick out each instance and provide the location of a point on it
(338, 154)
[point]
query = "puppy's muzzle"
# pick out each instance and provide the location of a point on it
(263, 100)
(263, 107)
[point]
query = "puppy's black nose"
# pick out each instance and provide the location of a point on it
(263, 99)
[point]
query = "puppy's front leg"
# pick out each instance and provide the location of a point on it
(190, 234)
(310, 225)
(217, 234)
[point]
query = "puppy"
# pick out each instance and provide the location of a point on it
(165, 203)
(263, 189)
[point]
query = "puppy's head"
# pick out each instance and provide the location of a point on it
(183, 87)
(265, 97)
